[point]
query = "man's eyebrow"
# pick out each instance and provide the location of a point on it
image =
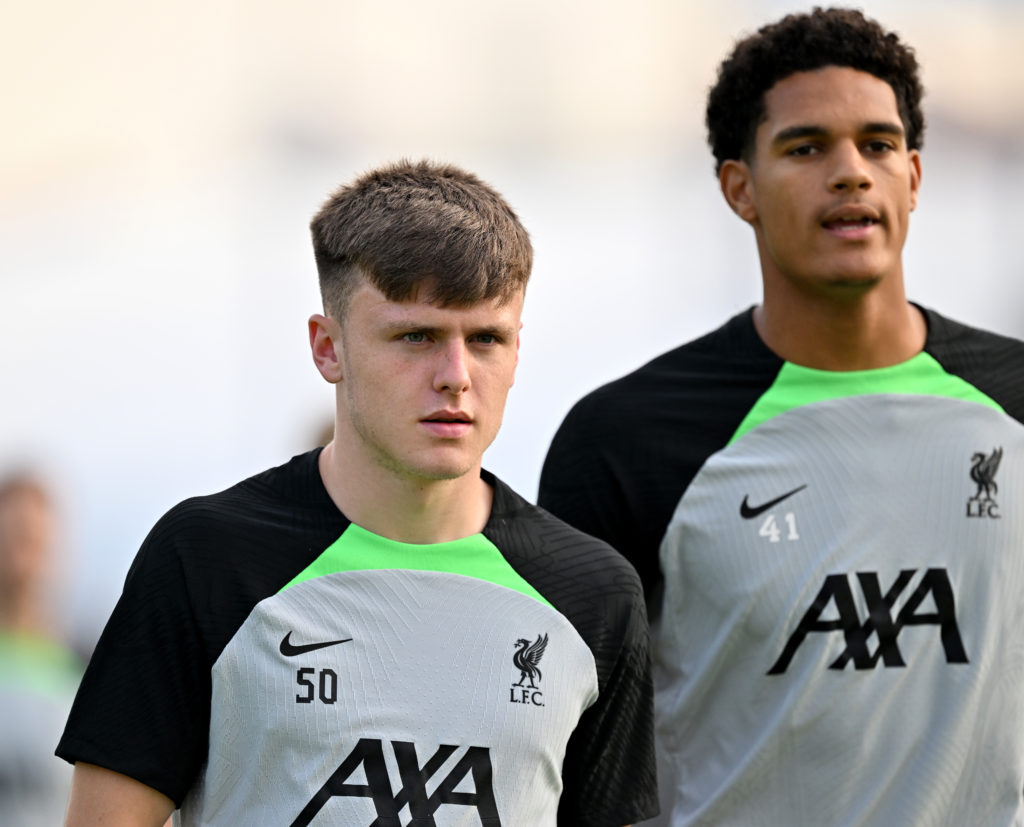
(792, 133)
(400, 328)
(884, 128)
(498, 330)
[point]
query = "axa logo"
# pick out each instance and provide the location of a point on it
(983, 473)
(366, 763)
(527, 659)
(874, 638)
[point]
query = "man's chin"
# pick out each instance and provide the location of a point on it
(441, 471)
(848, 285)
(859, 272)
(857, 280)
(445, 474)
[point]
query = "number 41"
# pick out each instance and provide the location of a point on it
(770, 528)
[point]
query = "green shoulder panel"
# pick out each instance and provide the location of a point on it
(360, 550)
(796, 386)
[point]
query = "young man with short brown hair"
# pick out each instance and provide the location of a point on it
(379, 632)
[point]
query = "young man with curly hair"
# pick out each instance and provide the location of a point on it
(825, 496)
(379, 632)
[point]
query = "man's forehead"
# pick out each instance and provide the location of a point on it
(828, 94)
(422, 306)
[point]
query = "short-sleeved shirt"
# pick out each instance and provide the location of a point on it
(271, 662)
(834, 565)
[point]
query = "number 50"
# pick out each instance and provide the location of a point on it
(328, 686)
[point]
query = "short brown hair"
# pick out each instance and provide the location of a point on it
(805, 42)
(409, 223)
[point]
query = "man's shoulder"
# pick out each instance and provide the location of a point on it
(529, 532)
(949, 333)
(292, 485)
(624, 453)
(991, 362)
(729, 356)
(259, 516)
(583, 578)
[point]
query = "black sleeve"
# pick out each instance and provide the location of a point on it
(143, 707)
(593, 480)
(626, 452)
(992, 363)
(609, 777)
(609, 773)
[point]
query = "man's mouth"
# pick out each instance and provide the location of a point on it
(849, 223)
(850, 218)
(447, 424)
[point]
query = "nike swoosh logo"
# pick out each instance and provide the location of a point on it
(748, 512)
(289, 649)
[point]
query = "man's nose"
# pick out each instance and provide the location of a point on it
(452, 371)
(850, 170)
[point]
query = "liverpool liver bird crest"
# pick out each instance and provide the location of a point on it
(983, 472)
(527, 657)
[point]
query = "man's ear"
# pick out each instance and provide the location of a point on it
(325, 343)
(736, 182)
(915, 177)
(516, 365)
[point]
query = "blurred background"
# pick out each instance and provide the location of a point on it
(161, 161)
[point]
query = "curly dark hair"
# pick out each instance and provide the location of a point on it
(802, 43)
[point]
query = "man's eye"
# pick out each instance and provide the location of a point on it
(803, 149)
(415, 337)
(880, 146)
(485, 338)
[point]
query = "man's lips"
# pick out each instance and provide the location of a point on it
(447, 424)
(853, 220)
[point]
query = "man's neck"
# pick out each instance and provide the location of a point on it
(403, 508)
(868, 331)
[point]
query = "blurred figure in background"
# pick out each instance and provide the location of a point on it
(38, 674)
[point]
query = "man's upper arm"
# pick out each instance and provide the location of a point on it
(103, 797)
